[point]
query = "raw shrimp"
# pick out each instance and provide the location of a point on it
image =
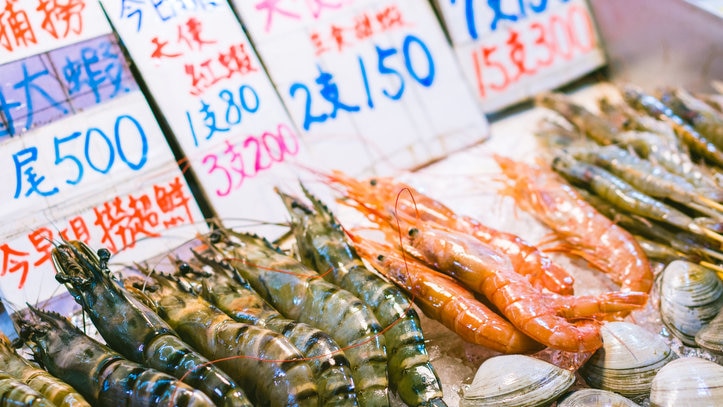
(299, 293)
(621, 194)
(14, 393)
(238, 300)
(134, 330)
(594, 237)
(591, 124)
(445, 300)
(706, 120)
(323, 245)
(270, 369)
(55, 390)
(381, 201)
(654, 107)
(101, 375)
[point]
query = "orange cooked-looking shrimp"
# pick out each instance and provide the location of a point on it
(443, 299)
(381, 200)
(591, 235)
(477, 265)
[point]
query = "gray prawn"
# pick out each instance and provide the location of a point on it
(270, 369)
(706, 120)
(55, 390)
(133, 329)
(236, 298)
(104, 377)
(323, 245)
(299, 293)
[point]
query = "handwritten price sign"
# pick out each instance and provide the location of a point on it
(29, 27)
(220, 104)
(105, 176)
(373, 85)
(511, 50)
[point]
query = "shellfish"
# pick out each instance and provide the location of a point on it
(690, 297)
(628, 360)
(710, 337)
(516, 380)
(688, 381)
(594, 398)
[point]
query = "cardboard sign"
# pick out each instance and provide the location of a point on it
(221, 106)
(373, 85)
(30, 27)
(106, 177)
(510, 50)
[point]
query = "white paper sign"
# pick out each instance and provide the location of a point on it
(30, 27)
(510, 50)
(373, 85)
(105, 176)
(221, 106)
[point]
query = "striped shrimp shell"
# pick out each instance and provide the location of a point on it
(323, 246)
(301, 294)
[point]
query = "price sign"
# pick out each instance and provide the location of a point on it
(220, 104)
(511, 50)
(105, 176)
(30, 27)
(373, 85)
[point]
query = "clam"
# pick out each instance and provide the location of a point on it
(690, 297)
(516, 380)
(688, 381)
(595, 398)
(710, 337)
(628, 360)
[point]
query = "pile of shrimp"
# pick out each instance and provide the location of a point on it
(492, 287)
(650, 161)
(237, 322)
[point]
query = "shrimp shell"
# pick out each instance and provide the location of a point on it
(595, 237)
(134, 330)
(299, 293)
(270, 369)
(101, 375)
(55, 390)
(323, 246)
(239, 301)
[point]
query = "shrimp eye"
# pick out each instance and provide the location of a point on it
(104, 254)
(413, 232)
(380, 257)
(185, 268)
(373, 182)
(215, 236)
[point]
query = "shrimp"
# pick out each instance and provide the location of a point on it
(103, 376)
(323, 245)
(253, 356)
(592, 125)
(379, 199)
(654, 107)
(596, 238)
(650, 179)
(134, 330)
(14, 393)
(623, 195)
(475, 264)
(706, 120)
(55, 390)
(445, 300)
(238, 300)
(299, 293)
